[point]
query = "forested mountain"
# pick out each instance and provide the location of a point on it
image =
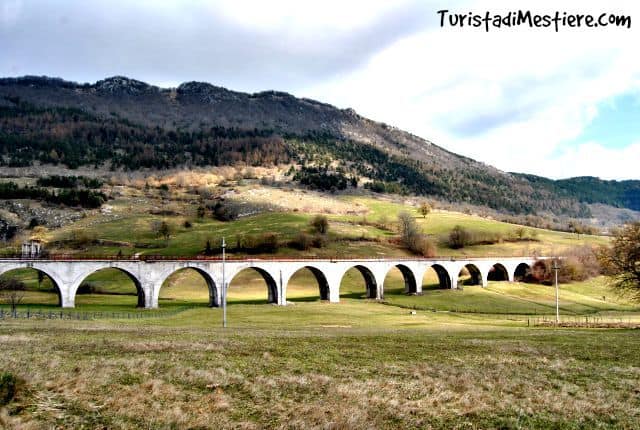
(122, 123)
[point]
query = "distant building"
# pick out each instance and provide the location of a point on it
(31, 249)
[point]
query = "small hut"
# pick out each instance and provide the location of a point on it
(31, 249)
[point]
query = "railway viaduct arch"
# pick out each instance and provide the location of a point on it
(149, 275)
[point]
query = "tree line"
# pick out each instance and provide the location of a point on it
(70, 197)
(74, 138)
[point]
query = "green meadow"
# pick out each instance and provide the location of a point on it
(363, 235)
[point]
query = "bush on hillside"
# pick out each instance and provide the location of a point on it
(320, 223)
(301, 242)
(225, 211)
(459, 237)
(412, 238)
(266, 243)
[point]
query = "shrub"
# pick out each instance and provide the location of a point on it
(320, 224)
(412, 238)
(224, 211)
(319, 241)
(459, 237)
(187, 224)
(426, 247)
(207, 248)
(409, 230)
(571, 270)
(81, 239)
(266, 243)
(578, 264)
(8, 387)
(12, 284)
(540, 272)
(165, 230)
(424, 209)
(301, 242)
(586, 257)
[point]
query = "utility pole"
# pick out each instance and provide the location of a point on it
(556, 267)
(224, 286)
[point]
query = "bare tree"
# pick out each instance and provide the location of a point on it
(409, 231)
(11, 293)
(622, 260)
(412, 237)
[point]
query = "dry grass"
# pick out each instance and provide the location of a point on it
(168, 378)
(304, 201)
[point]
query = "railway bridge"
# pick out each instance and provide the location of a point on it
(149, 274)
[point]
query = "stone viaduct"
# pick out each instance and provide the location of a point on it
(149, 275)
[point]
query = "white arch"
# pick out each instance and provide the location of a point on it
(373, 283)
(475, 272)
(57, 283)
(529, 267)
(412, 284)
(506, 268)
(143, 298)
(443, 270)
(212, 285)
(319, 275)
(274, 284)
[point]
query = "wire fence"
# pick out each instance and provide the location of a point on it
(591, 321)
(60, 314)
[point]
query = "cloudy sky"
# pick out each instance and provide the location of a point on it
(529, 100)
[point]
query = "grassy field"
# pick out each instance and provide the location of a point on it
(352, 230)
(466, 359)
(341, 369)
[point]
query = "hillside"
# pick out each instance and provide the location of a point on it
(123, 124)
(361, 225)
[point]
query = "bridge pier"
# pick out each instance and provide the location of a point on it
(334, 277)
(67, 300)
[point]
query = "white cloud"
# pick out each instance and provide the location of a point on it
(10, 12)
(509, 97)
(594, 159)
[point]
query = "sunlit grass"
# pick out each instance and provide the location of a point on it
(133, 226)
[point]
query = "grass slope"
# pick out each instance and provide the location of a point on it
(130, 222)
(141, 375)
